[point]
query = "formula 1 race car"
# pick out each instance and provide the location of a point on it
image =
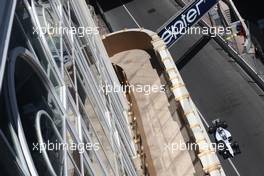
(224, 137)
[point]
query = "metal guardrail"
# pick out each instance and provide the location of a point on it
(91, 69)
(240, 61)
(235, 55)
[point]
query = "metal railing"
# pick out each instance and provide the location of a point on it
(85, 72)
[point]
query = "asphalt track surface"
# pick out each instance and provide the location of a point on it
(217, 85)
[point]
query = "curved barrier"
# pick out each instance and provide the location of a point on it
(128, 39)
(28, 90)
(39, 124)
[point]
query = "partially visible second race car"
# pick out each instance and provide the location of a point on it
(223, 136)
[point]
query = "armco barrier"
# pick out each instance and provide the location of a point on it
(128, 39)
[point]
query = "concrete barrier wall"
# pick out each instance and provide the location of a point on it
(128, 39)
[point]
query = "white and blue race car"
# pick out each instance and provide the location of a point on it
(224, 137)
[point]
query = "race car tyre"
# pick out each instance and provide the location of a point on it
(237, 151)
(230, 138)
(211, 130)
(225, 155)
(235, 144)
(223, 124)
(236, 148)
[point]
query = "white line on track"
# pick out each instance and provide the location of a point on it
(130, 15)
(234, 167)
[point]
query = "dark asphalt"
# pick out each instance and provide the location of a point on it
(218, 87)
